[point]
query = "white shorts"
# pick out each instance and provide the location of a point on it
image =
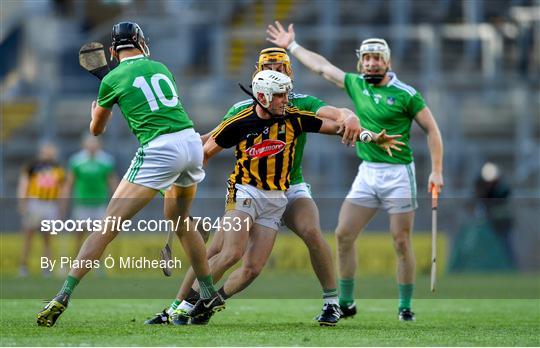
(265, 207)
(40, 209)
(81, 212)
(383, 185)
(174, 158)
(301, 190)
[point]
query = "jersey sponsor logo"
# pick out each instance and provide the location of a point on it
(268, 147)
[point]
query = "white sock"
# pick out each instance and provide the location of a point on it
(185, 305)
(331, 300)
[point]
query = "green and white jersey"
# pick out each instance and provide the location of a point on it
(391, 107)
(146, 92)
(303, 102)
(91, 177)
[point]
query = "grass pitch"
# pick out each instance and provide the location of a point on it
(249, 322)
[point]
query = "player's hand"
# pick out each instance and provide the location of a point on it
(350, 129)
(388, 142)
(435, 181)
(279, 36)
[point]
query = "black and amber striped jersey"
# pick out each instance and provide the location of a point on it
(45, 179)
(265, 148)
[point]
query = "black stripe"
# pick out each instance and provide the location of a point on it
(295, 122)
(279, 157)
(238, 155)
(263, 164)
(249, 143)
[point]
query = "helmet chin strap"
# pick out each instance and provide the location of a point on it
(244, 89)
(375, 79)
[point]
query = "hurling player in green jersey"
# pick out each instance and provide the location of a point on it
(383, 181)
(170, 156)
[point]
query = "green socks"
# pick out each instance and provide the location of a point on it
(69, 285)
(173, 306)
(206, 285)
(405, 295)
(346, 292)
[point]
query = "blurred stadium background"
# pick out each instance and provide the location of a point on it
(477, 63)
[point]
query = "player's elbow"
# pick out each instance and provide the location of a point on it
(96, 130)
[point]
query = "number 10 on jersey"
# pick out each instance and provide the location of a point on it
(155, 91)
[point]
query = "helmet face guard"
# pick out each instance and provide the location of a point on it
(268, 83)
(128, 35)
(275, 55)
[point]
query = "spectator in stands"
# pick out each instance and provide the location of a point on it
(40, 186)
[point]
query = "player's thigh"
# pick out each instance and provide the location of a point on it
(178, 200)
(128, 199)
(353, 218)
(191, 168)
(302, 217)
(401, 225)
(259, 247)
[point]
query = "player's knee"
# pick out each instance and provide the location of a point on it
(212, 250)
(251, 272)
(345, 236)
(230, 257)
(312, 236)
(402, 245)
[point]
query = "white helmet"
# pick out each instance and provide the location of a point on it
(374, 45)
(269, 82)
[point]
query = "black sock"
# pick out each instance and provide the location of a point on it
(193, 296)
(222, 293)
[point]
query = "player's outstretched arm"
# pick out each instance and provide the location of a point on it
(427, 122)
(205, 137)
(210, 148)
(100, 117)
(315, 62)
(349, 124)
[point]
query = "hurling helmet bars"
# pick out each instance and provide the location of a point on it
(128, 35)
(270, 82)
(374, 45)
(275, 55)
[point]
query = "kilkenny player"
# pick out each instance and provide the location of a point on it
(301, 214)
(170, 154)
(265, 136)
